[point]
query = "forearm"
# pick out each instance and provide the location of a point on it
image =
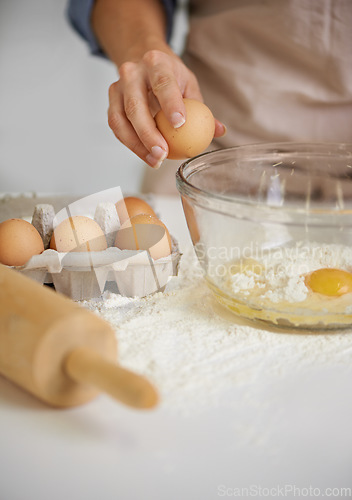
(128, 29)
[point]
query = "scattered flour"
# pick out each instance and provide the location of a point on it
(194, 350)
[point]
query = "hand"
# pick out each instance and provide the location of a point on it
(158, 80)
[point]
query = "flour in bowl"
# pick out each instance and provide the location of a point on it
(275, 285)
(279, 275)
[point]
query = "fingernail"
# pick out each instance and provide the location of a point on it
(156, 157)
(158, 153)
(177, 120)
(224, 130)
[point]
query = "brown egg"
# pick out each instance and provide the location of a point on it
(19, 241)
(78, 234)
(131, 206)
(194, 136)
(144, 232)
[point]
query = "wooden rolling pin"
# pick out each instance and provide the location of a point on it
(59, 351)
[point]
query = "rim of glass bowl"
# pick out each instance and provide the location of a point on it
(228, 205)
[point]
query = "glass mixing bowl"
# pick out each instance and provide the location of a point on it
(272, 228)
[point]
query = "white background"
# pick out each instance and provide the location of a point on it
(54, 135)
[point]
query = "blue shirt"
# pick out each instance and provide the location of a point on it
(79, 15)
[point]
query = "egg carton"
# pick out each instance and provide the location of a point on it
(85, 275)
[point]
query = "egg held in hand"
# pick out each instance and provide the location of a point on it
(144, 232)
(130, 206)
(194, 136)
(19, 241)
(78, 234)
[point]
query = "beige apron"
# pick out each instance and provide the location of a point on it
(270, 70)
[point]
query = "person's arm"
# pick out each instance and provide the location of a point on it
(133, 35)
(126, 29)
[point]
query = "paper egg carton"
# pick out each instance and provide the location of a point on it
(84, 275)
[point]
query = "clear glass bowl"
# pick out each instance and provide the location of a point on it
(263, 218)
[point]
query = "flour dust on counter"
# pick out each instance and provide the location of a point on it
(195, 351)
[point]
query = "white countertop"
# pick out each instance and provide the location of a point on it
(292, 434)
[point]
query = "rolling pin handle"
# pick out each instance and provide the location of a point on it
(85, 366)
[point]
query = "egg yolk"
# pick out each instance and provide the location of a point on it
(332, 282)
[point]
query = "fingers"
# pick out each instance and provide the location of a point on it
(137, 110)
(131, 121)
(220, 129)
(164, 85)
(123, 129)
(192, 90)
(157, 81)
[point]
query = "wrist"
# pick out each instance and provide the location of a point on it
(136, 51)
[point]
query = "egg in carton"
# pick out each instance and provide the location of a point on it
(84, 275)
